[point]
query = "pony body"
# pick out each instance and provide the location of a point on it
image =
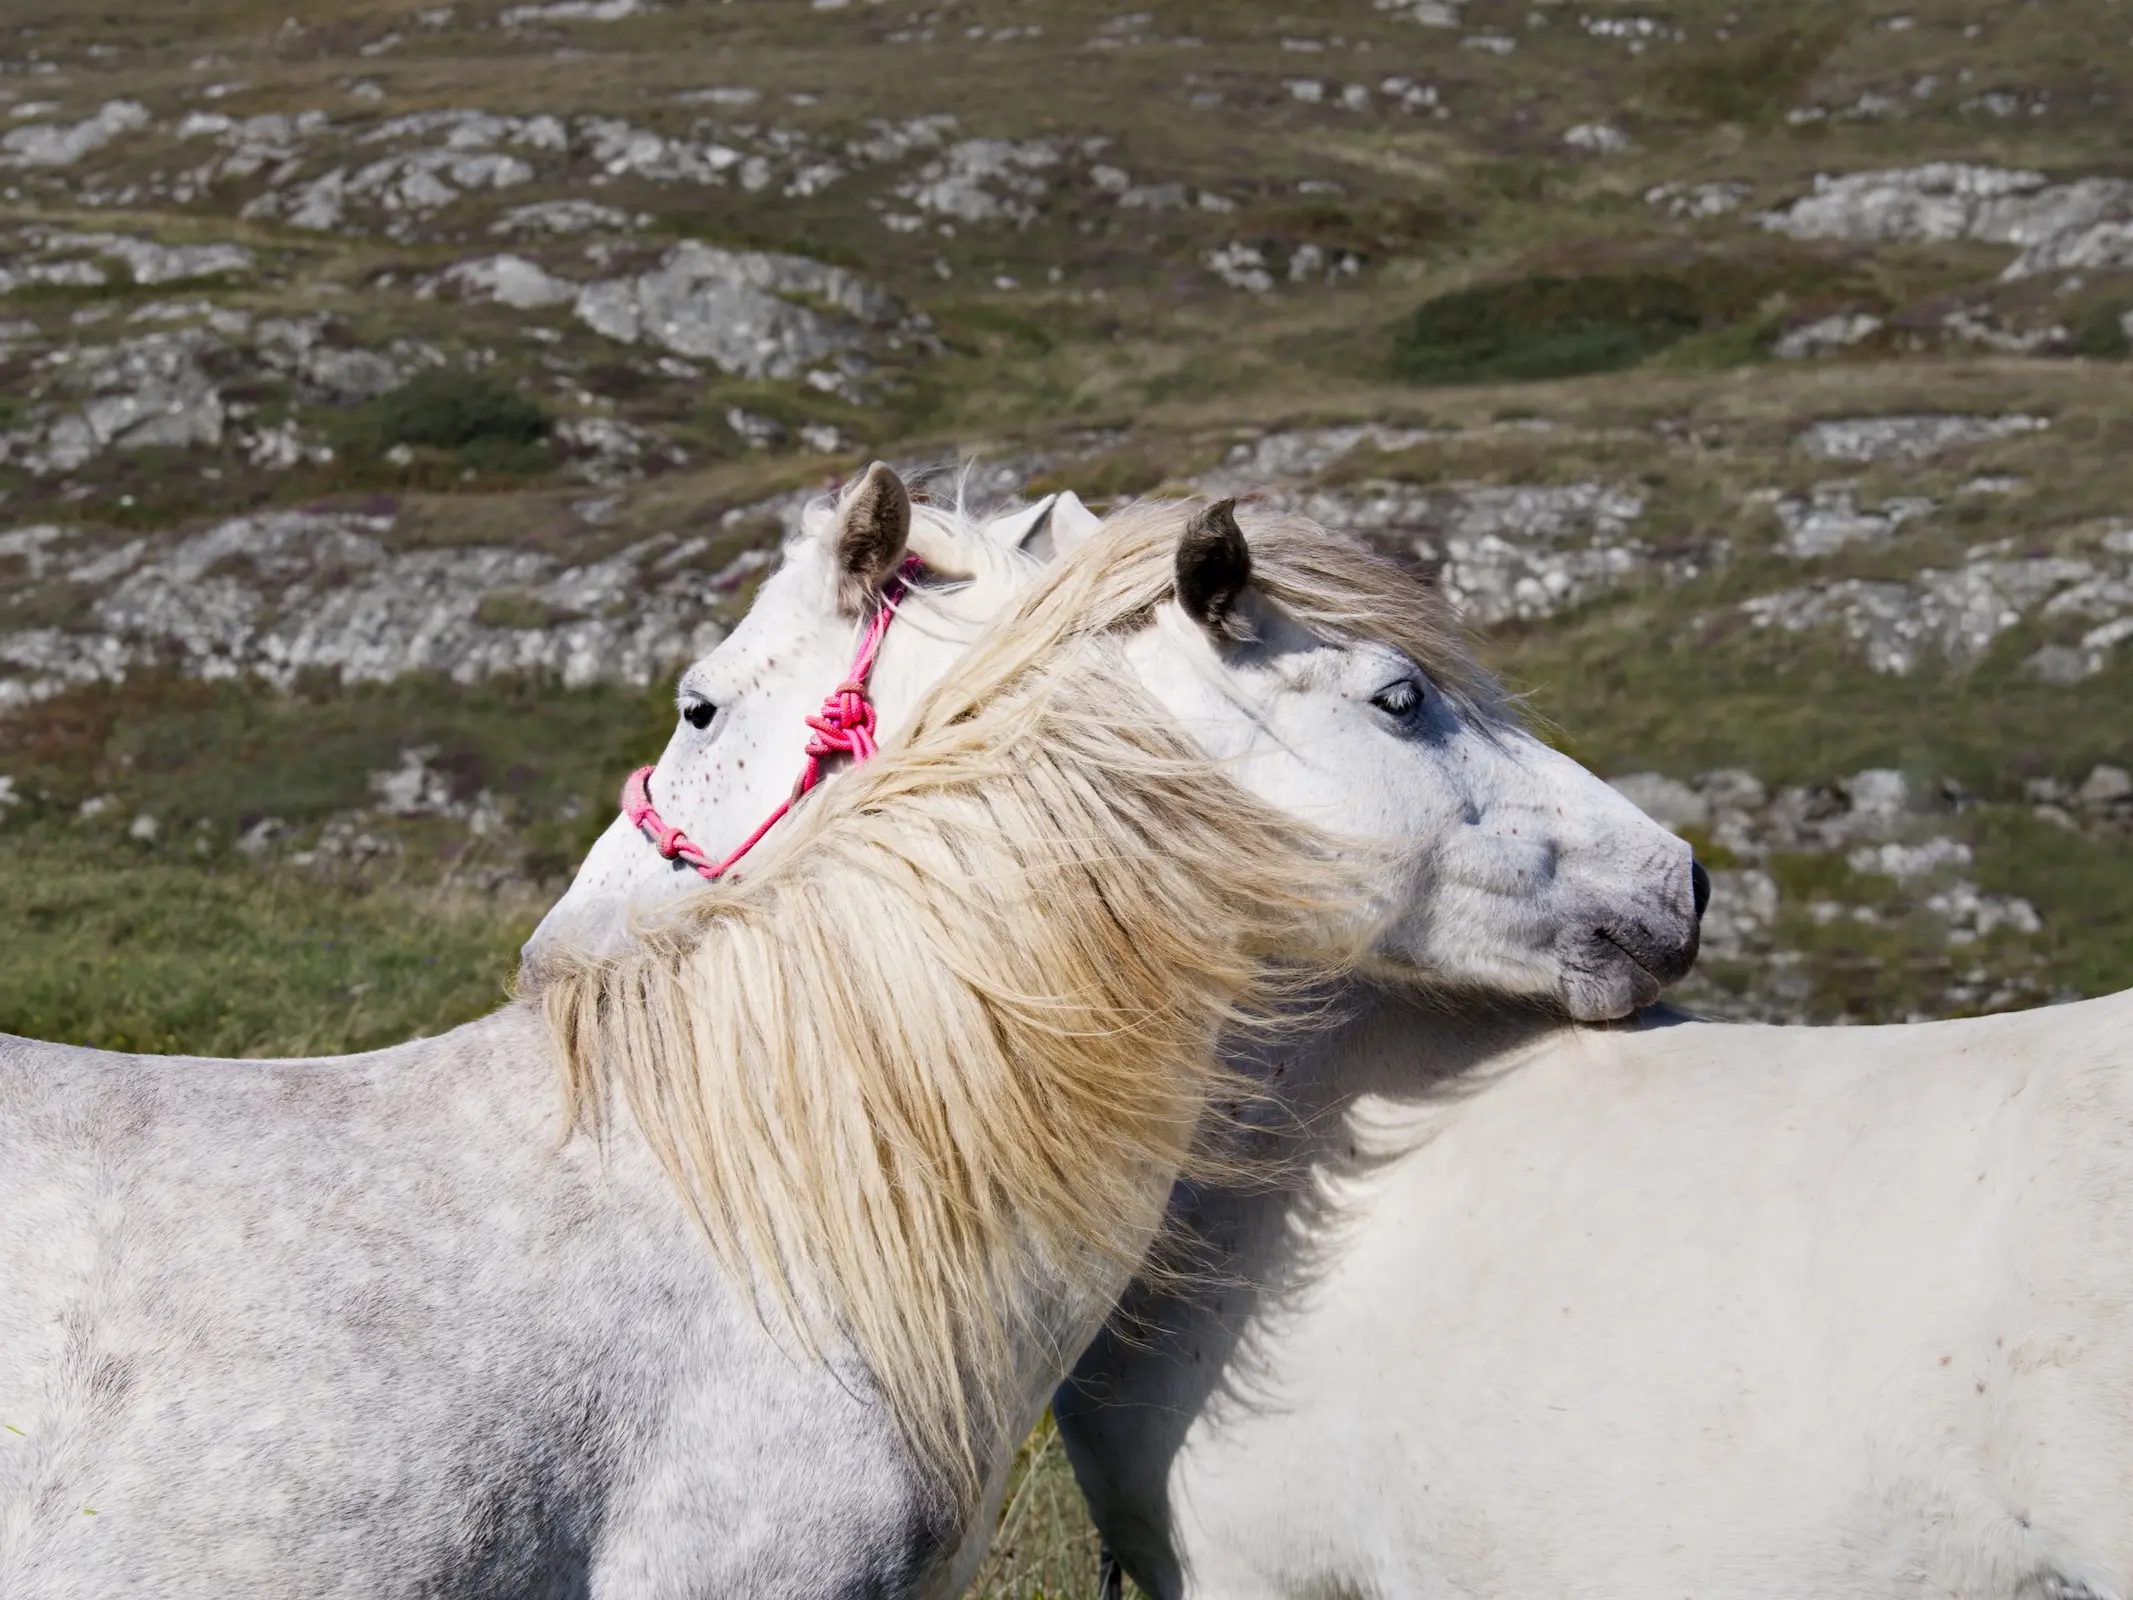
(360, 1326)
(1682, 1309)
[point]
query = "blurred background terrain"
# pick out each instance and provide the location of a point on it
(391, 396)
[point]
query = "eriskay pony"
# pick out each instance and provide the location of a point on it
(859, 1148)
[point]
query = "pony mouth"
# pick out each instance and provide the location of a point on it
(1620, 969)
(1662, 963)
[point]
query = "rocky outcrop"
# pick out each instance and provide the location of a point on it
(1955, 615)
(281, 593)
(47, 144)
(740, 310)
(2083, 224)
(1908, 438)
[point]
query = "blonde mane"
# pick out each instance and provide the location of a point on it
(928, 1073)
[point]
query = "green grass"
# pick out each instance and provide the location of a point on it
(1750, 79)
(2099, 332)
(453, 423)
(1544, 327)
(107, 947)
(1711, 312)
(230, 754)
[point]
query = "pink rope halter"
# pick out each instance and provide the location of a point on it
(844, 726)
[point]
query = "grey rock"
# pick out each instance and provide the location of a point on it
(887, 142)
(32, 546)
(414, 788)
(1908, 438)
(985, 180)
(1241, 265)
(151, 263)
(278, 593)
(352, 374)
(300, 348)
(2100, 247)
(511, 281)
(142, 392)
(1742, 912)
(1303, 453)
(730, 308)
(574, 11)
(401, 187)
(1908, 861)
(259, 839)
(62, 274)
(1504, 551)
(2086, 224)
(1879, 797)
(2105, 786)
(563, 217)
(2058, 663)
(1695, 201)
(1667, 801)
(1733, 788)
(1830, 520)
(1826, 335)
(1983, 326)
(1953, 614)
(611, 452)
(1971, 915)
(618, 148)
(40, 144)
(756, 431)
(1597, 138)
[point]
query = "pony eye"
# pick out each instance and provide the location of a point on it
(1402, 699)
(698, 713)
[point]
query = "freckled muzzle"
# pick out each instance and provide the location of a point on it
(1623, 959)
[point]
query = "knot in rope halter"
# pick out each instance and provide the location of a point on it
(844, 726)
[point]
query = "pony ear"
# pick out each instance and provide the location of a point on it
(1213, 566)
(1071, 522)
(873, 527)
(1023, 529)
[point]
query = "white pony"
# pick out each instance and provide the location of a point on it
(364, 1325)
(1692, 1309)
(1685, 1309)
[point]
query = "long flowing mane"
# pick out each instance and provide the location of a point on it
(929, 1072)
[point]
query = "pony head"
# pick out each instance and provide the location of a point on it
(1336, 684)
(740, 729)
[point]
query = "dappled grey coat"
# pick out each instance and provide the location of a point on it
(362, 1326)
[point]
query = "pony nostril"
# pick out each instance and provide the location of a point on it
(1700, 885)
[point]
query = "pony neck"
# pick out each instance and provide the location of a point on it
(929, 1072)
